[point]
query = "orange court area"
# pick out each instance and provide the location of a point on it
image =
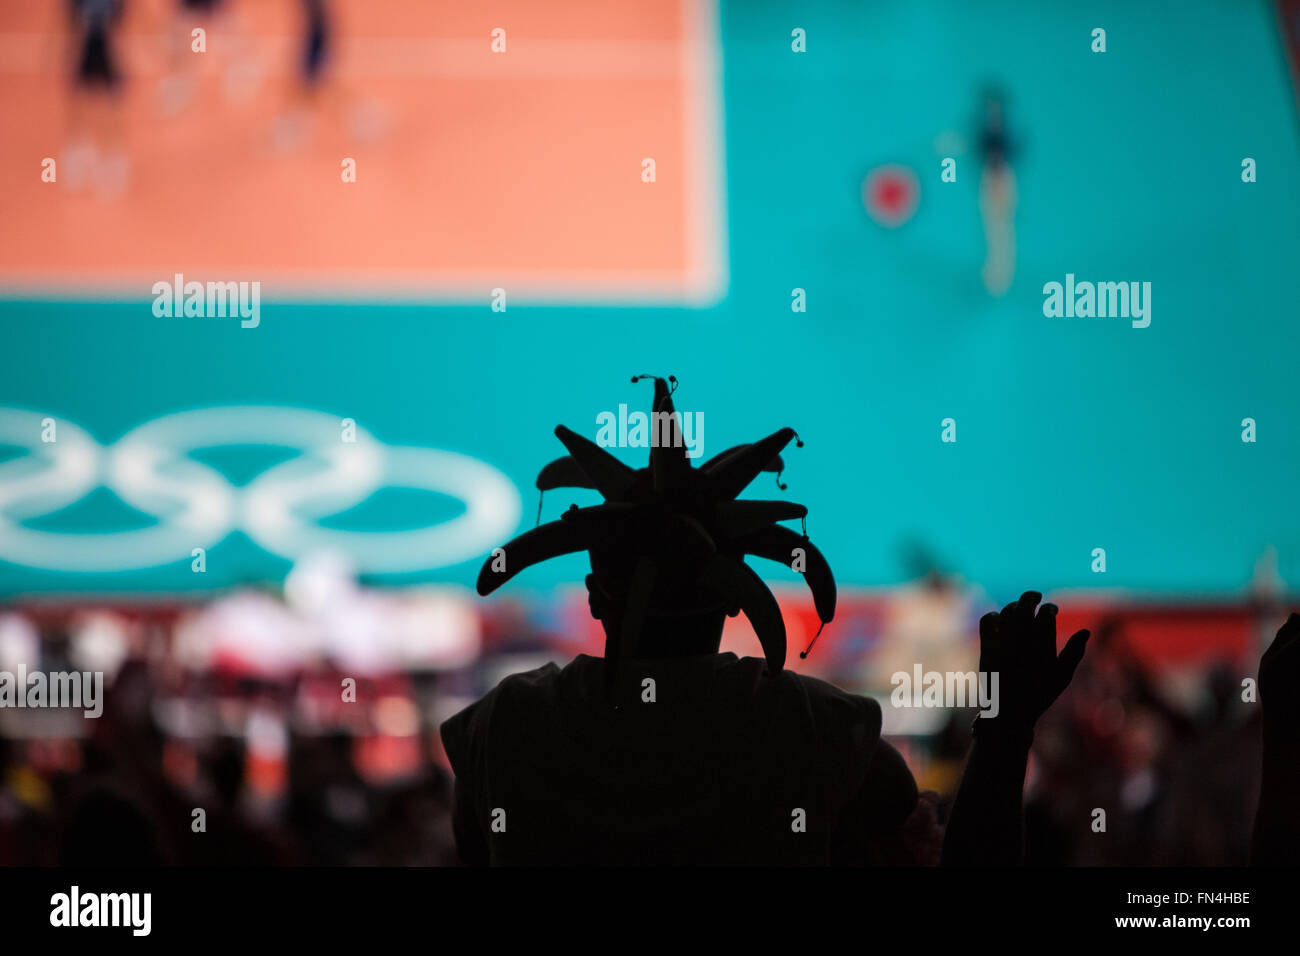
(519, 167)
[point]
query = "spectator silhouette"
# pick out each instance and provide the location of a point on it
(1276, 839)
(666, 751)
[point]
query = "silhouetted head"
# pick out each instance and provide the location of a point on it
(668, 543)
(674, 629)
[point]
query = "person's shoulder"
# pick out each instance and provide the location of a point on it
(460, 731)
(535, 679)
(829, 705)
(824, 690)
(541, 682)
(849, 728)
(540, 688)
(834, 706)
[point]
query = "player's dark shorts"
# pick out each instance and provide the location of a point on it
(96, 67)
(315, 52)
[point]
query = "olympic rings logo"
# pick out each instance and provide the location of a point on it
(195, 506)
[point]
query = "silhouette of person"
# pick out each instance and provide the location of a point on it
(96, 153)
(666, 751)
(997, 195)
(1276, 840)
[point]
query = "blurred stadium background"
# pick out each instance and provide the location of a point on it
(522, 171)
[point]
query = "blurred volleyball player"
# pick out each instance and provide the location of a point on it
(95, 137)
(997, 197)
(177, 88)
(319, 100)
(237, 62)
(317, 45)
(309, 94)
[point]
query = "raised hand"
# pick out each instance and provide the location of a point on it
(1020, 647)
(984, 828)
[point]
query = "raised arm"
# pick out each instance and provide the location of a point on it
(984, 828)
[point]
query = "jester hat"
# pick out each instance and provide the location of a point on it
(670, 539)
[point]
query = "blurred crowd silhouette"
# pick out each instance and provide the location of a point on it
(284, 779)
